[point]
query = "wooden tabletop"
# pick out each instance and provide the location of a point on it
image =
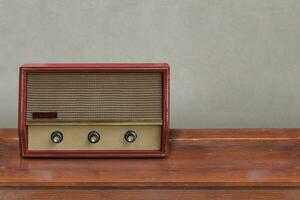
(198, 158)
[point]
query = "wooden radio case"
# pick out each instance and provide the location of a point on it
(94, 110)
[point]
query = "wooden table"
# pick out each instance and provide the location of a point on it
(205, 164)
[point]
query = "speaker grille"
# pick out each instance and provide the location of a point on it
(95, 96)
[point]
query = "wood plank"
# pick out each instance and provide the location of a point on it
(199, 158)
(150, 194)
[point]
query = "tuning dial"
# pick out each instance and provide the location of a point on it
(93, 137)
(130, 136)
(57, 137)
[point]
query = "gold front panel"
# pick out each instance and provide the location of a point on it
(112, 137)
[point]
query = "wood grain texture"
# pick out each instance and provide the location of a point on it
(150, 194)
(202, 164)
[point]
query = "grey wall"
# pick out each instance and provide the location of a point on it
(235, 63)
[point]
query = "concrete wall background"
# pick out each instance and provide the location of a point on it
(234, 63)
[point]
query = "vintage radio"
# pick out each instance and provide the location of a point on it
(94, 110)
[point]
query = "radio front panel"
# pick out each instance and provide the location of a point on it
(111, 137)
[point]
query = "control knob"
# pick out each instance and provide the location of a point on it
(57, 137)
(130, 136)
(93, 137)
